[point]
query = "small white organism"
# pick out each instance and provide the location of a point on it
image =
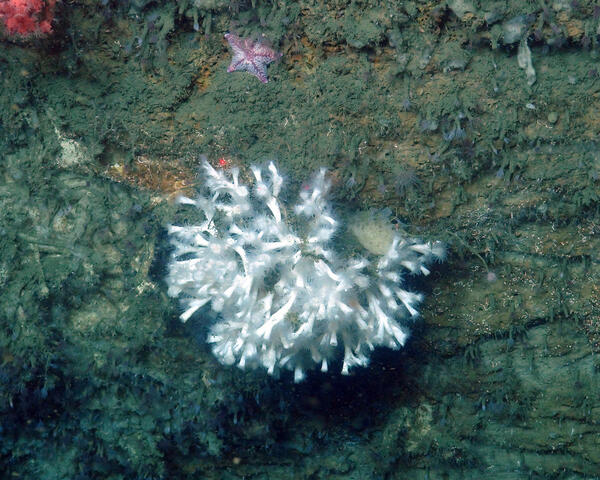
(283, 298)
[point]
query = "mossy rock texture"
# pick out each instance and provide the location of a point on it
(417, 109)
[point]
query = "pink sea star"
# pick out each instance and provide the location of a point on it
(251, 55)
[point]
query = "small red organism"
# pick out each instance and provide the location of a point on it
(223, 162)
(27, 18)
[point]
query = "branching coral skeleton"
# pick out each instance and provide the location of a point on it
(283, 298)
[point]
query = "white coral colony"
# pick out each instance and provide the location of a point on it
(283, 298)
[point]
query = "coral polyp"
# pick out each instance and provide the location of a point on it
(283, 298)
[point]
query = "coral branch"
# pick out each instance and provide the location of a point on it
(283, 298)
(26, 18)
